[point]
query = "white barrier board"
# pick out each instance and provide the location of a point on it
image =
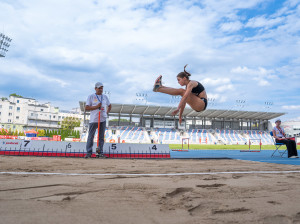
(79, 147)
(135, 148)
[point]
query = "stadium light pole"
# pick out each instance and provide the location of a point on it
(107, 93)
(141, 97)
(4, 44)
(240, 103)
(268, 105)
(211, 102)
(175, 99)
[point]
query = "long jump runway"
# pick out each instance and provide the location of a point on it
(262, 156)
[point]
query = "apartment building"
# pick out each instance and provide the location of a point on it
(21, 113)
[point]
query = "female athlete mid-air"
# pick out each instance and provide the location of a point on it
(194, 93)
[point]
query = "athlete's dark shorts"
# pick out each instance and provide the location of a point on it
(205, 102)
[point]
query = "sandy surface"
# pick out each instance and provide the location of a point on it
(211, 198)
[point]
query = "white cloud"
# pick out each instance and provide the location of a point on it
(216, 82)
(20, 71)
(291, 107)
(127, 44)
(224, 88)
(262, 82)
(261, 21)
(260, 75)
(216, 98)
(231, 26)
(218, 85)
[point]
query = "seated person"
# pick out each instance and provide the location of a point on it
(279, 135)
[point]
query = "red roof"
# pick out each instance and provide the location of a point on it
(32, 131)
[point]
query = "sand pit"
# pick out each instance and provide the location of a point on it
(210, 198)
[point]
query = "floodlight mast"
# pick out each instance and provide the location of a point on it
(4, 44)
(141, 97)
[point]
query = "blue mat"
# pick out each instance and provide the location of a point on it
(263, 156)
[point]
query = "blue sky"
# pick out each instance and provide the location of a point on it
(239, 50)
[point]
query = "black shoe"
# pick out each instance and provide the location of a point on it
(98, 152)
(88, 156)
(101, 155)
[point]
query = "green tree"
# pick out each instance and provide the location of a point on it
(77, 134)
(41, 133)
(21, 133)
(14, 94)
(10, 132)
(69, 123)
(2, 132)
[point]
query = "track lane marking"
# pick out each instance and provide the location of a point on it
(150, 174)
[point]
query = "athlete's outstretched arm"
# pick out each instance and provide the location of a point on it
(183, 100)
(180, 112)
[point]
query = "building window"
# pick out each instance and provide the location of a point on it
(9, 114)
(53, 116)
(0, 106)
(9, 121)
(18, 109)
(10, 107)
(42, 109)
(18, 101)
(17, 117)
(31, 114)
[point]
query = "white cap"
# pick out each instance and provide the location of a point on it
(98, 84)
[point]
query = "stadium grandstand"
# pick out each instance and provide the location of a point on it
(155, 124)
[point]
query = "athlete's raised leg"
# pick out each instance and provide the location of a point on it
(158, 87)
(171, 91)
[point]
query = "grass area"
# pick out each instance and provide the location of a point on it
(222, 147)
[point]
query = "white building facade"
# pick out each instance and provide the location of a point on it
(292, 128)
(21, 113)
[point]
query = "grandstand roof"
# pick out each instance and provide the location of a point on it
(150, 110)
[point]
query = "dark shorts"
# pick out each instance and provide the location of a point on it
(205, 102)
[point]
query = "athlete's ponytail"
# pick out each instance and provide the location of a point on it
(184, 74)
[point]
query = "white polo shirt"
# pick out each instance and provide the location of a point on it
(278, 133)
(94, 100)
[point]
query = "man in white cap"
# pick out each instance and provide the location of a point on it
(95, 102)
(279, 135)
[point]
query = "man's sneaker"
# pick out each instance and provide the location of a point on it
(292, 157)
(88, 156)
(101, 155)
(98, 151)
(157, 84)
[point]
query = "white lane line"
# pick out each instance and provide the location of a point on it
(150, 174)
